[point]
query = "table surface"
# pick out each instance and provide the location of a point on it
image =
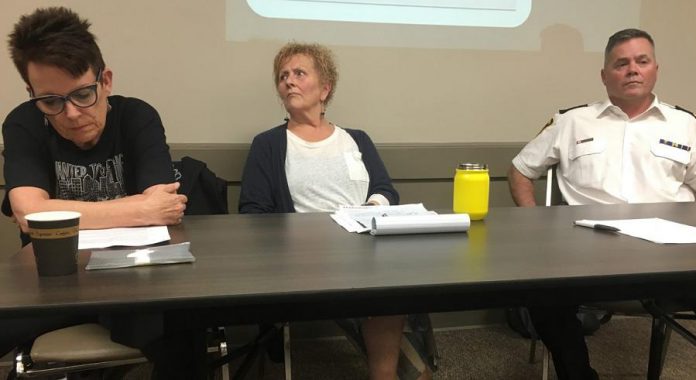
(304, 266)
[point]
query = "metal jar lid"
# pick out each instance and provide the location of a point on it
(472, 166)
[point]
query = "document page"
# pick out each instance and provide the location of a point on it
(131, 236)
(652, 229)
(411, 218)
(359, 218)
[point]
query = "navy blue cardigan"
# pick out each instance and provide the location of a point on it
(265, 186)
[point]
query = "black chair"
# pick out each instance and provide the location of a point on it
(271, 340)
(207, 195)
(664, 313)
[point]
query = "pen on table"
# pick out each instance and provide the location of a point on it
(605, 227)
(596, 226)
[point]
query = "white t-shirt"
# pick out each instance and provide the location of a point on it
(605, 157)
(327, 174)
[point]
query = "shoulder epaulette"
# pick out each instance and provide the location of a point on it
(571, 108)
(560, 112)
(685, 110)
(545, 125)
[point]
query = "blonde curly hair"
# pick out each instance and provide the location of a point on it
(323, 62)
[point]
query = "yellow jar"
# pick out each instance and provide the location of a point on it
(471, 187)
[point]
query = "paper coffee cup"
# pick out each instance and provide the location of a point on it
(54, 237)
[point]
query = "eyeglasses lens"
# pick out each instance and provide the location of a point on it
(83, 98)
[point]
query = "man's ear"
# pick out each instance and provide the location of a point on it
(601, 74)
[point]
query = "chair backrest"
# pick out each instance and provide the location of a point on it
(553, 192)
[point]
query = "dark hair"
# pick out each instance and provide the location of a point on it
(323, 62)
(625, 35)
(54, 36)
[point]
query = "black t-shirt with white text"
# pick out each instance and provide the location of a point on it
(130, 156)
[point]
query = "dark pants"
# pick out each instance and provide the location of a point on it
(180, 351)
(561, 331)
(179, 356)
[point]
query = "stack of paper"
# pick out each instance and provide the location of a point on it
(133, 257)
(132, 236)
(402, 219)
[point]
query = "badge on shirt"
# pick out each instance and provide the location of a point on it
(675, 145)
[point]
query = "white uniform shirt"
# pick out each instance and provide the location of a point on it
(326, 174)
(605, 157)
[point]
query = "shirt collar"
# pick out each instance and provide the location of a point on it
(656, 108)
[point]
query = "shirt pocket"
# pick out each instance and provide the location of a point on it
(671, 160)
(587, 163)
(677, 155)
(596, 146)
(356, 167)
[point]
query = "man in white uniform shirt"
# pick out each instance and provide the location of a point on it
(630, 148)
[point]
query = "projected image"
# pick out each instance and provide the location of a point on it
(490, 13)
(431, 24)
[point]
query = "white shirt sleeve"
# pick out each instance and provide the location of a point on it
(540, 153)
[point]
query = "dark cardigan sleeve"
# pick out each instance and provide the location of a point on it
(264, 184)
(380, 182)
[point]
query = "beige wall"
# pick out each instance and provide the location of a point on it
(174, 54)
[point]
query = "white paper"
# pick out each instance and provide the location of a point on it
(132, 236)
(124, 258)
(420, 224)
(652, 229)
(359, 218)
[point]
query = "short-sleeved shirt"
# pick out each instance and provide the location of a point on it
(605, 157)
(130, 156)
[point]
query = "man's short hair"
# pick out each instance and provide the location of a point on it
(57, 37)
(625, 35)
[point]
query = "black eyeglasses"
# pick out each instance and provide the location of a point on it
(83, 97)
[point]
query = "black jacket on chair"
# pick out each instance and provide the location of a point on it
(206, 192)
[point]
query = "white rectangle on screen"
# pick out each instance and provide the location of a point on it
(490, 13)
(435, 24)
